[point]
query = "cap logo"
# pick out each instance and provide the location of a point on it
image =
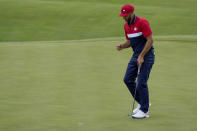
(124, 11)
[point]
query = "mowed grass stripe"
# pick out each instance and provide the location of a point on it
(100, 41)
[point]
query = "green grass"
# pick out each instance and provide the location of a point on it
(60, 70)
(77, 85)
(44, 20)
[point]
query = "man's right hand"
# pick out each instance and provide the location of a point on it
(118, 47)
(123, 46)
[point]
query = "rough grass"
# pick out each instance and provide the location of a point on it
(36, 20)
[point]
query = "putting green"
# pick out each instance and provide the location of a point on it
(77, 85)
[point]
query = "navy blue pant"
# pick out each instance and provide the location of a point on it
(142, 95)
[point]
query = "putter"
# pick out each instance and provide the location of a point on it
(138, 72)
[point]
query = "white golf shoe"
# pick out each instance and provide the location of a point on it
(140, 115)
(138, 108)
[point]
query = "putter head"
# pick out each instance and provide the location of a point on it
(130, 114)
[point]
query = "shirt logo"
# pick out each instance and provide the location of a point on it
(135, 29)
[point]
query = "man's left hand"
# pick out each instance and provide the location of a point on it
(140, 60)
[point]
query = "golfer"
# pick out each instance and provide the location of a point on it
(139, 37)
